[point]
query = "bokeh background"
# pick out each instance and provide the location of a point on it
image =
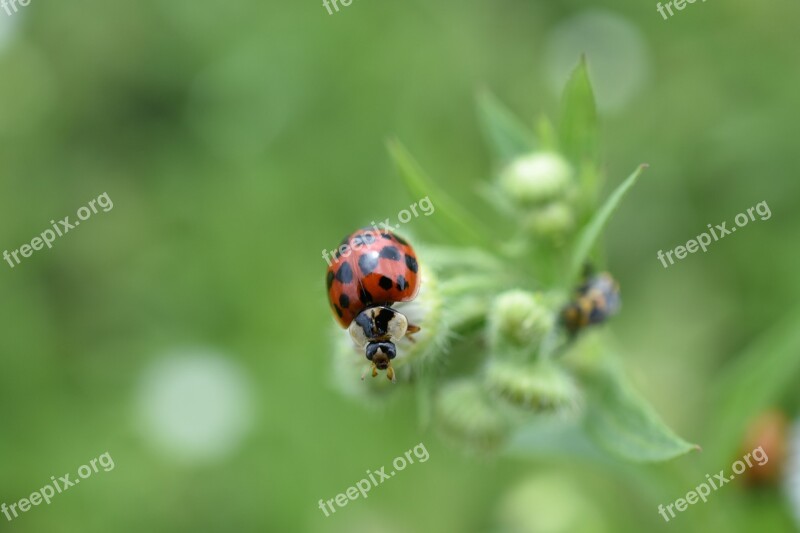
(186, 331)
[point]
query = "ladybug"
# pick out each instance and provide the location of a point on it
(595, 301)
(769, 435)
(371, 271)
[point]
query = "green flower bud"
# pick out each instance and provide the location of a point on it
(549, 504)
(552, 221)
(466, 415)
(425, 311)
(519, 319)
(541, 387)
(537, 178)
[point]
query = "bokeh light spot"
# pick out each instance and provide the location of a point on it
(195, 405)
(616, 50)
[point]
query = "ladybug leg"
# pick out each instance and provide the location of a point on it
(410, 331)
(390, 373)
(370, 367)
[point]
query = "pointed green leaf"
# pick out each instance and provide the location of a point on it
(505, 133)
(622, 422)
(578, 128)
(548, 137)
(450, 216)
(590, 233)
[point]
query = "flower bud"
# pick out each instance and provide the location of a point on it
(536, 178)
(540, 387)
(466, 415)
(552, 221)
(519, 319)
(426, 311)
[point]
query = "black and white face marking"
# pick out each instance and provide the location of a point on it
(378, 323)
(381, 353)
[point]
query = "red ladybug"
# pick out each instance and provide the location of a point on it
(372, 272)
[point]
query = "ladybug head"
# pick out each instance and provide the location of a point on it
(376, 329)
(381, 353)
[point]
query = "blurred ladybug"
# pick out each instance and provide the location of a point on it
(766, 440)
(595, 301)
(371, 271)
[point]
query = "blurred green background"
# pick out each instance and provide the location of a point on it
(239, 139)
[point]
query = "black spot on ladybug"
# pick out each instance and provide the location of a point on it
(401, 283)
(338, 311)
(364, 294)
(387, 236)
(344, 301)
(368, 262)
(411, 263)
(363, 239)
(385, 283)
(345, 273)
(330, 279)
(390, 252)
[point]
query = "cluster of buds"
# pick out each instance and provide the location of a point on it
(541, 186)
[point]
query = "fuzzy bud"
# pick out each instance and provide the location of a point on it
(519, 319)
(536, 178)
(540, 387)
(465, 414)
(551, 221)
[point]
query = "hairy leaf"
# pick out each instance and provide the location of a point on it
(591, 232)
(578, 127)
(621, 421)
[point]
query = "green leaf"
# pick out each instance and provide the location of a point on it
(505, 133)
(549, 436)
(450, 216)
(756, 380)
(591, 232)
(619, 420)
(579, 131)
(548, 137)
